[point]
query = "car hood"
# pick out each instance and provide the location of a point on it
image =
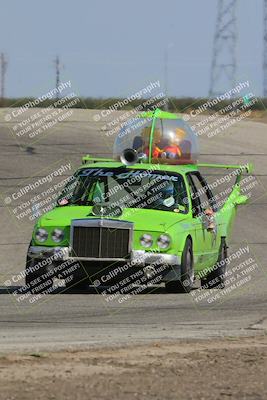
(143, 219)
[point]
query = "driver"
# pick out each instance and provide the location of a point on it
(170, 198)
(164, 198)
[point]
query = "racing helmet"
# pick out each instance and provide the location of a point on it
(165, 196)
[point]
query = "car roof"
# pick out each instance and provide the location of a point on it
(182, 169)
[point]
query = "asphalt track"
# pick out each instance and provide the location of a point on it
(72, 320)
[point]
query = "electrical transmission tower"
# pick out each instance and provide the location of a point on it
(265, 50)
(223, 68)
(3, 64)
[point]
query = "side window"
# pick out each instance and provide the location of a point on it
(206, 188)
(181, 197)
(196, 207)
(202, 195)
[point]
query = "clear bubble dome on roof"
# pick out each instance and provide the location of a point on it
(158, 140)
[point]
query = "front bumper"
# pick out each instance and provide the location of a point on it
(138, 258)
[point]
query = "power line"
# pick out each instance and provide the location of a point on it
(223, 68)
(3, 63)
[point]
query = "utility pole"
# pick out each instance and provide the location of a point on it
(166, 74)
(223, 68)
(166, 66)
(265, 49)
(3, 64)
(58, 67)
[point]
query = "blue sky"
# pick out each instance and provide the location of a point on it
(114, 47)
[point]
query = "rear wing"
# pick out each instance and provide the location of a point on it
(240, 169)
(243, 168)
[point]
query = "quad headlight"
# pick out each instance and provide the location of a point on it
(41, 235)
(57, 235)
(164, 241)
(146, 240)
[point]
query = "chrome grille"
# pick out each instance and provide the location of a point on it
(101, 239)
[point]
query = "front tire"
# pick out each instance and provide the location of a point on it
(185, 284)
(75, 283)
(35, 281)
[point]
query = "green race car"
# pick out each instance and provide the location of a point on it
(148, 212)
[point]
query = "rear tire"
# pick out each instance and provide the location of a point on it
(185, 284)
(216, 278)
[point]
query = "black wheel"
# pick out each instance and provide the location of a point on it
(216, 278)
(185, 284)
(37, 280)
(79, 280)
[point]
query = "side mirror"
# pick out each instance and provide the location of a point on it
(241, 199)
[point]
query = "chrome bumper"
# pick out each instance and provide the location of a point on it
(139, 258)
(42, 252)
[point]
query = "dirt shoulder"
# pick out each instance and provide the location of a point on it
(259, 116)
(213, 369)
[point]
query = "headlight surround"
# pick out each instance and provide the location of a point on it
(57, 235)
(146, 240)
(41, 235)
(164, 241)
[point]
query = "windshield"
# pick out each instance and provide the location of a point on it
(126, 188)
